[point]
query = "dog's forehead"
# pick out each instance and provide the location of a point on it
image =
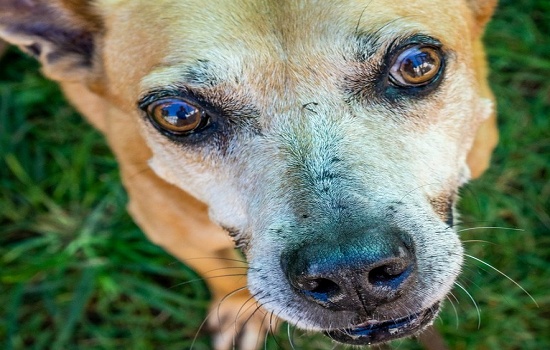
(228, 40)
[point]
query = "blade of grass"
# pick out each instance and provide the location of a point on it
(12, 314)
(80, 299)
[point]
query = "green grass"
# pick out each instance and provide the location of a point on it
(76, 273)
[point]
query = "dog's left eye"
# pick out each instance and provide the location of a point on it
(416, 66)
(177, 116)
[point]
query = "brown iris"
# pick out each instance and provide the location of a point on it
(416, 66)
(176, 116)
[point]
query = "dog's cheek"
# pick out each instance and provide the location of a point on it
(206, 184)
(180, 174)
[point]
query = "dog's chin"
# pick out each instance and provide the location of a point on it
(375, 332)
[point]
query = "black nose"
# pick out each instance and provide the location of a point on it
(359, 273)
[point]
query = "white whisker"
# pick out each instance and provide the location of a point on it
(477, 241)
(290, 336)
(454, 308)
(490, 227)
(505, 275)
(212, 312)
(473, 301)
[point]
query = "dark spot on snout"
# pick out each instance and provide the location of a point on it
(326, 174)
(310, 106)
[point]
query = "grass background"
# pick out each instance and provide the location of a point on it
(76, 273)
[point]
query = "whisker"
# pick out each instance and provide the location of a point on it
(260, 331)
(211, 312)
(218, 258)
(454, 308)
(199, 330)
(274, 323)
(271, 314)
(490, 227)
(290, 336)
(252, 297)
(268, 331)
(400, 343)
(473, 270)
(475, 197)
(258, 308)
(474, 302)
(265, 339)
(235, 323)
(416, 188)
(360, 17)
(271, 330)
(207, 278)
(454, 297)
(505, 275)
(330, 336)
(227, 296)
(260, 304)
(478, 241)
(463, 223)
(227, 268)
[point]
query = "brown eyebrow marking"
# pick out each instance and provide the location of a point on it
(443, 207)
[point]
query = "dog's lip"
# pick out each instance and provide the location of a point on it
(373, 332)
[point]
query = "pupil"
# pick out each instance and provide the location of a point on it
(180, 114)
(418, 64)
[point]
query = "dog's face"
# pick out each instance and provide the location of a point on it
(329, 138)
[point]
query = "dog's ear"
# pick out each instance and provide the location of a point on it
(487, 135)
(482, 11)
(61, 34)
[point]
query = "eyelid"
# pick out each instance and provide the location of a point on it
(402, 43)
(172, 92)
(415, 39)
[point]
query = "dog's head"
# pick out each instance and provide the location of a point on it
(329, 138)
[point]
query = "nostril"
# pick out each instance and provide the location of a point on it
(317, 285)
(320, 290)
(389, 275)
(324, 286)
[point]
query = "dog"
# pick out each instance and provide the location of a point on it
(327, 140)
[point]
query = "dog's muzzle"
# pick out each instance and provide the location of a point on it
(364, 274)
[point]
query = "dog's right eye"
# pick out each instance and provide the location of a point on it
(416, 66)
(177, 116)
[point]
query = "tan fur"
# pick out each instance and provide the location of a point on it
(286, 64)
(487, 134)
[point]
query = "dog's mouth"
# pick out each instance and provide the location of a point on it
(373, 332)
